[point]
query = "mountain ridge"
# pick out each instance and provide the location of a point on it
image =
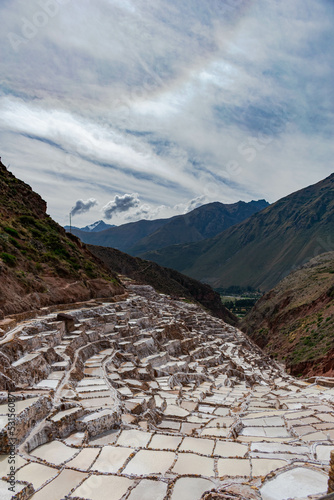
(263, 249)
(203, 222)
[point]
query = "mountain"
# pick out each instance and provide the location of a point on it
(294, 322)
(263, 249)
(203, 222)
(164, 280)
(96, 227)
(145, 235)
(39, 263)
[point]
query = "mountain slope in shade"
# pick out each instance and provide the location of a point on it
(262, 250)
(164, 280)
(145, 235)
(295, 320)
(95, 227)
(204, 222)
(122, 237)
(39, 263)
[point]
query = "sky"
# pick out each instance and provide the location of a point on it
(129, 109)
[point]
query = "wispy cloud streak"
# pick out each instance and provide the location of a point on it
(175, 101)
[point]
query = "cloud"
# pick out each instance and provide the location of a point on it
(82, 207)
(173, 100)
(120, 204)
(195, 203)
(164, 211)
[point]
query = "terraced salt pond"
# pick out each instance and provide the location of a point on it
(156, 399)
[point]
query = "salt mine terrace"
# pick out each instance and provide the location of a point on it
(148, 397)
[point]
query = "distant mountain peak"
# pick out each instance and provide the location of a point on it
(95, 227)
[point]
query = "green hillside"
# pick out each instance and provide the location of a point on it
(39, 263)
(294, 322)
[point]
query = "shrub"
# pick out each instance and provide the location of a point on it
(11, 231)
(38, 267)
(8, 258)
(27, 220)
(14, 242)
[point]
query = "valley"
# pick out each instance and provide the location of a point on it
(121, 379)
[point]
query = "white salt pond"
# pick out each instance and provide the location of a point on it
(229, 449)
(5, 494)
(54, 452)
(164, 442)
(134, 438)
(298, 482)
(65, 413)
(111, 459)
(75, 439)
(19, 405)
(47, 384)
(92, 388)
(189, 488)
(176, 411)
(202, 446)
(84, 459)
(103, 488)
(5, 466)
(150, 462)
(86, 381)
(187, 463)
(233, 467)
(278, 432)
(109, 437)
(149, 490)
(37, 474)
(60, 486)
(323, 452)
(263, 466)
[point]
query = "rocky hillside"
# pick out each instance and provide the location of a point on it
(164, 280)
(39, 263)
(294, 322)
(262, 250)
(145, 235)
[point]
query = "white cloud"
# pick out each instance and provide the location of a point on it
(174, 100)
(121, 204)
(82, 206)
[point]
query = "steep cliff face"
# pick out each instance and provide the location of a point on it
(39, 263)
(294, 322)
